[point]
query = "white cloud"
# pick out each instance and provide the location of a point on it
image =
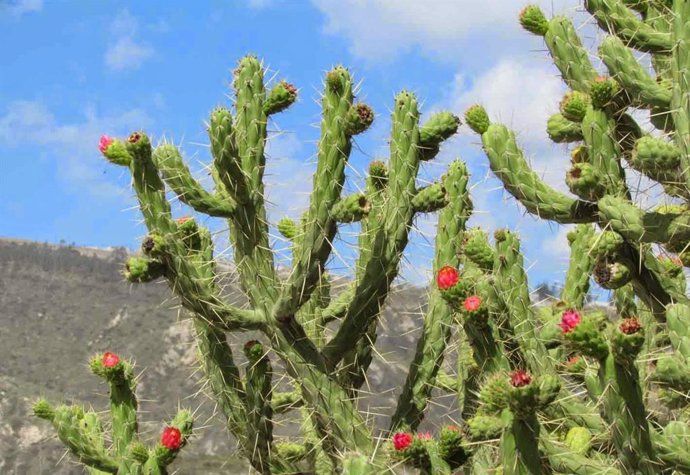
(125, 51)
(74, 145)
(380, 29)
(20, 7)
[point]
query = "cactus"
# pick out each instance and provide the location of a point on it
(558, 389)
(82, 430)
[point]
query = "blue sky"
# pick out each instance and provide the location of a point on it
(73, 70)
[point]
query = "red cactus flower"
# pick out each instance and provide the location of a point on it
(110, 360)
(569, 320)
(402, 440)
(424, 435)
(601, 79)
(452, 427)
(472, 303)
(520, 378)
(573, 360)
(171, 438)
(630, 326)
(183, 219)
(104, 143)
(447, 277)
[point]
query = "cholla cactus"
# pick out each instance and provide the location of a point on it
(539, 390)
(633, 361)
(82, 430)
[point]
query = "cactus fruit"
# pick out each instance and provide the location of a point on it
(560, 389)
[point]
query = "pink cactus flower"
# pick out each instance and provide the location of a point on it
(104, 143)
(472, 303)
(424, 435)
(110, 360)
(402, 440)
(569, 320)
(520, 378)
(447, 277)
(171, 438)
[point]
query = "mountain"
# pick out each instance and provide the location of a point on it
(61, 304)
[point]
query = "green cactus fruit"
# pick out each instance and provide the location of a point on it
(291, 451)
(337, 79)
(253, 350)
(627, 339)
(585, 181)
(574, 365)
(574, 106)
(603, 90)
(359, 118)
(562, 130)
(351, 209)
(523, 394)
(477, 118)
(430, 198)
(437, 129)
(579, 440)
(138, 145)
(154, 246)
(585, 335)
(606, 244)
(477, 249)
(673, 371)
(475, 311)
(579, 154)
(451, 446)
(141, 269)
(533, 20)
(115, 151)
(378, 174)
(43, 409)
(612, 274)
(139, 452)
(651, 153)
(453, 288)
(495, 392)
(282, 96)
(288, 228)
(188, 230)
(485, 427)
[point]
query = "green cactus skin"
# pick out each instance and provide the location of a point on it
(438, 320)
(576, 284)
(82, 431)
(562, 130)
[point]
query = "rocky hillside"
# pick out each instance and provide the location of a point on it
(61, 304)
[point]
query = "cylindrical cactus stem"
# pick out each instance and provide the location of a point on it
(439, 316)
(643, 89)
(123, 402)
(576, 286)
(378, 266)
(569, 55)
(226, 159)
(510, 166)
(680, 63)
(280, 98)
(624, 300)
(603, 150)
(430, 198)
(637, 226)
(259, 412)
(562, 130)
(623, 400)
(564, 460)
(678, 326)
(319, 224)
(615, 16)
(79, 431)
(434, 131)
(148, 185)
(176, 174)
(350, 209)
